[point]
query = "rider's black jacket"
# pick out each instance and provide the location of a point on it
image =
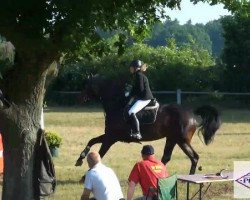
(141, 89)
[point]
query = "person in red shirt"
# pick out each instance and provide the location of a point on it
(146, 173)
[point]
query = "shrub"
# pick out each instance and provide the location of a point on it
(53, 138)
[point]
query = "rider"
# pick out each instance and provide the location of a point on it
(140, 93)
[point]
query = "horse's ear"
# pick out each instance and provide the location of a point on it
(90, 76)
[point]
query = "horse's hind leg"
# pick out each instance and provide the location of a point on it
(169, 146)
(193, 156)
(87, 148)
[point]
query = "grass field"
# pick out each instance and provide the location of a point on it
(78, 125)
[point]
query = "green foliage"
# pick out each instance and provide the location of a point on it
(215, 31)
(236, 54)
(43, 31)
(63, 26)
(188, 67)
(53, 138)
(237, 42)
(162, 32)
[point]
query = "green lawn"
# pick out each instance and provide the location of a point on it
(78, 125)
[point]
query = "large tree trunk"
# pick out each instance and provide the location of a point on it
(19, 125)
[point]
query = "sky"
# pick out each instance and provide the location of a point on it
(198, 13)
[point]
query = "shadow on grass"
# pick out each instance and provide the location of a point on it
(67, 182)
(227, 115)
(235, 116)
(74, 109)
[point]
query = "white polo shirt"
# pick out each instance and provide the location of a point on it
(102, 181)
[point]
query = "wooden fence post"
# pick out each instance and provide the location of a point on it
(178, 96)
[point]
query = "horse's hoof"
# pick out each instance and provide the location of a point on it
(136, 136)
(78, 162)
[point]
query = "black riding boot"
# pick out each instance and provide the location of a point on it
(135, 127)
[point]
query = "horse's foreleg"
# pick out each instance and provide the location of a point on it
(87, 149)
(169, 146)
(106, 146)
(92, 142)
(193, 156)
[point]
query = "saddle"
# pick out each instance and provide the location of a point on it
(147, 115)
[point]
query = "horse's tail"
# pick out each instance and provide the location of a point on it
(210, 122)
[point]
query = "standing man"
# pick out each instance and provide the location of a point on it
(100, 180)
(146, 173)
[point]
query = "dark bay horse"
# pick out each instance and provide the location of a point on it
(173, 122)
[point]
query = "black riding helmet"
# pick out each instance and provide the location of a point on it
(136, 64)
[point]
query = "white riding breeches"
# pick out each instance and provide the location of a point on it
(138, 105)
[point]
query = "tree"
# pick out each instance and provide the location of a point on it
(162, 32)
(236, 54)
(214, 30)
(41, 31)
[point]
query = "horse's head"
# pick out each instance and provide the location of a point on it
(110, 91)
(92, 87)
